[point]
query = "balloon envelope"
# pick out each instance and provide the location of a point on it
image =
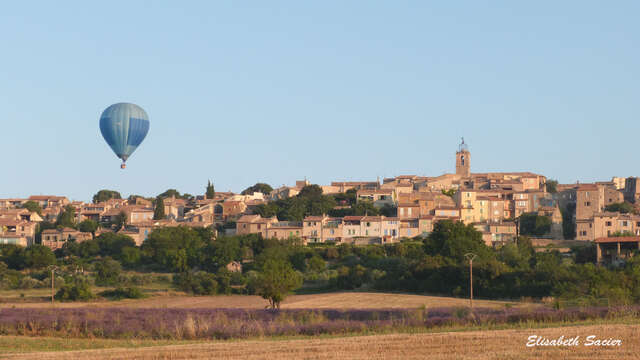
(123, 127)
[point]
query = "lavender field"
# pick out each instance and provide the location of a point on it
(239, 323)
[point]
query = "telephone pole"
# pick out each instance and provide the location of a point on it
(470, 257)
(53, 268)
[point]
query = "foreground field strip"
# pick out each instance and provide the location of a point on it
(490, 344)
(337, 300)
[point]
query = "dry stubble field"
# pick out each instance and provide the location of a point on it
(337, 300)
(494, 344)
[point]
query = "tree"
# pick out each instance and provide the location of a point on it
(198, 283)
(534, 224)
(174, 248)
(454, 239)
(568, 221)
(450, 193)
(276, 280)
(551, 186)
(311, 192)
(170, 193)
(107, 272)
(623, 207)
(38, 256)
(67, 217)
(79, 290)
(211, 192)
(113, 245)
(32, 206)
(120, 220)
(88, 225)
(258, 187)
(158, 212)
(104, 195)
(316, 264)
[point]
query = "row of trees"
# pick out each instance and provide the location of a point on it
(434, 264)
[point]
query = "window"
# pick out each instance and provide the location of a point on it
(624, 223)
(608, 223)
(401, 211)
(409, 212)
(368, 224)
(587, 203)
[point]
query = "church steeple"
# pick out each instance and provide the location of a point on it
(463, 160)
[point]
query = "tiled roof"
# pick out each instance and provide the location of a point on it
(618, 239)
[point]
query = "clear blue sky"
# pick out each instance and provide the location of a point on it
(240, 92)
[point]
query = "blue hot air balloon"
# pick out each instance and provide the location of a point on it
(123, 127)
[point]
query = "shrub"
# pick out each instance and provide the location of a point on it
(199, 283)
(107, 272)
(123, 293)
(79, 290)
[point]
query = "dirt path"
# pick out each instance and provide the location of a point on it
(477, 345)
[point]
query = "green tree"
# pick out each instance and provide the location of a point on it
(198, 283)
(275, 281)
(551, 186)
(170, 193)
(32, 206)
(130, 256)
(38, 256)
(78, 290)
(259, 187)
(623, 207)
(568, 221)
(104, 195)
(455, 239)
(67, 217)
(158, 211)
(316, 264)
(13, 256)
(174, 248)
(210, 192)
(120, 220)
(88, 225)
(450, 193)
(534, 224)
(113, 245)
(107, 272)
(346, 198)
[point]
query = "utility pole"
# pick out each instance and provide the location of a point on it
(53, 269)
(470, 257)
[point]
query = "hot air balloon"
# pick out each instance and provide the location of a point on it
(123, 127)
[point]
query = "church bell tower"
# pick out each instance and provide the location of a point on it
(463, 160)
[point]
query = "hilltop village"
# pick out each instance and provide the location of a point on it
(501, 205)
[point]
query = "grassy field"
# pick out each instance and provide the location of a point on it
(487, 344)
(337, 300)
